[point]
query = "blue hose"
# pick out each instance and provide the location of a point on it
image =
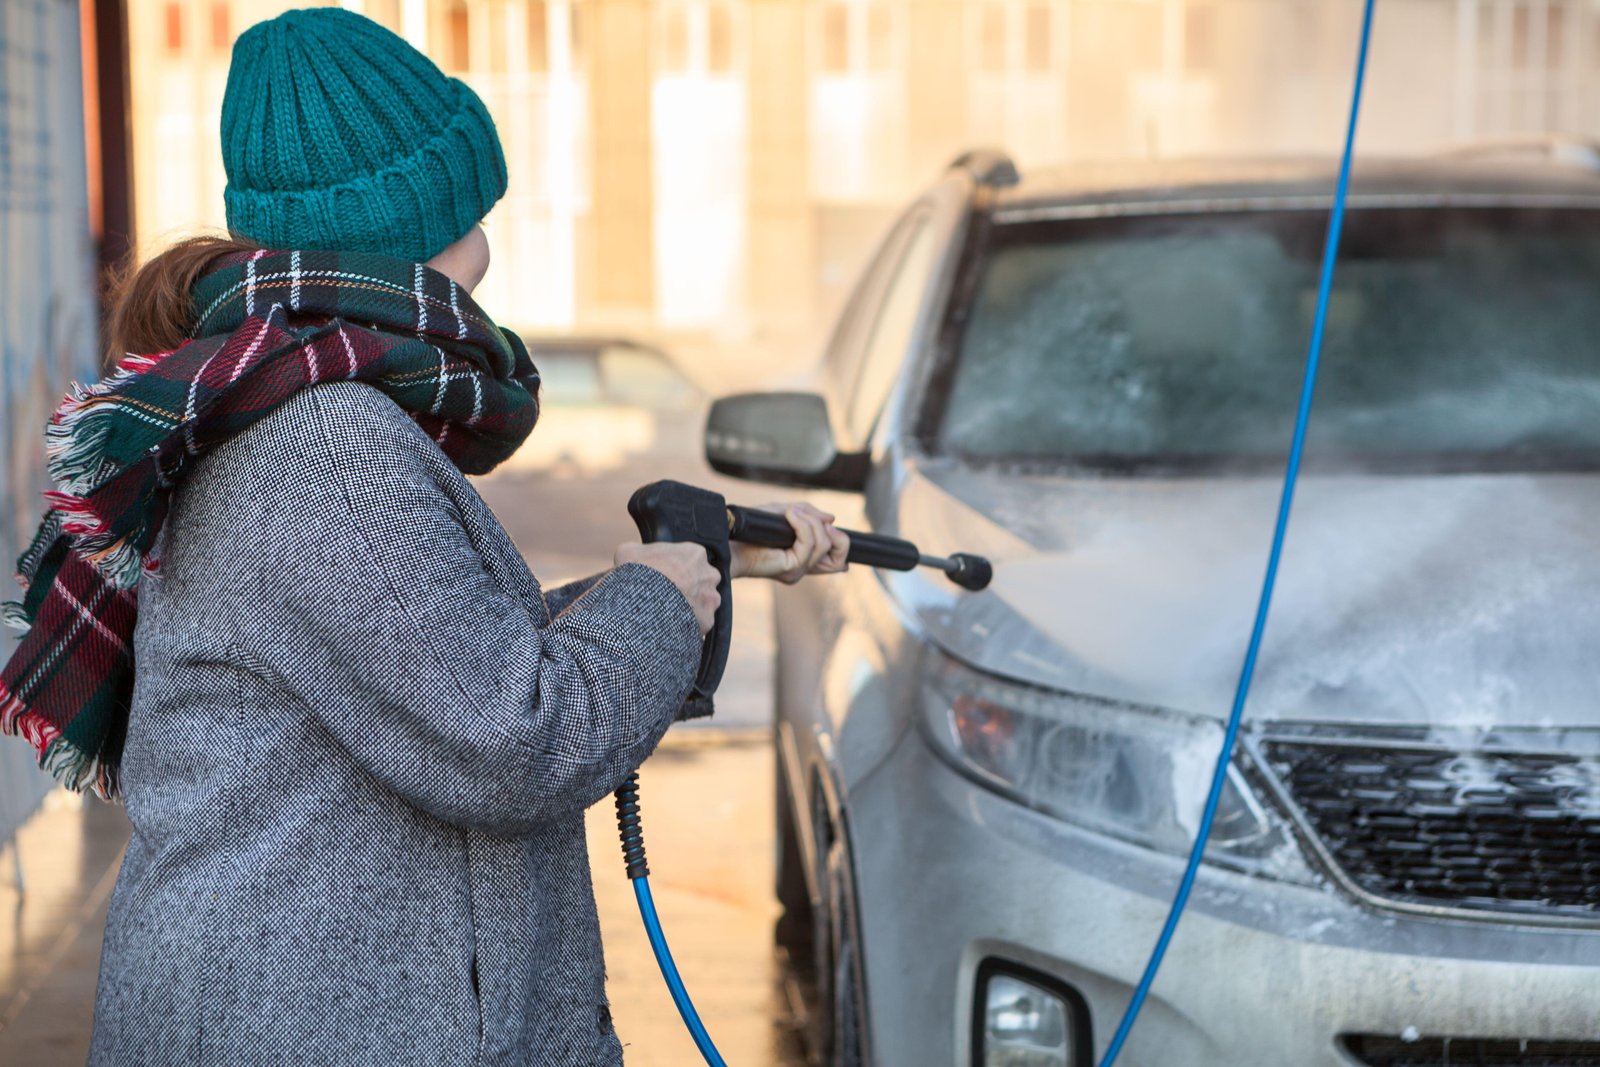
(631, 831)
(1330, 251)
(669, 971)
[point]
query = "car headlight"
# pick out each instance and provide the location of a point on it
(1137, 774)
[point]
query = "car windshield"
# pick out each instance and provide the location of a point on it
(1457, 338)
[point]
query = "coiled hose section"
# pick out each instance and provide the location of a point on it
(631, 831)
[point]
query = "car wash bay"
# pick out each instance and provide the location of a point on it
(708, 802)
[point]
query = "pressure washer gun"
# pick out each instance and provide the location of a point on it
(672, 511)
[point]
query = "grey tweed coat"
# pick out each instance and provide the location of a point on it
(361, 745)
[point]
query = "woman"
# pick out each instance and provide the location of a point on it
(354, 736)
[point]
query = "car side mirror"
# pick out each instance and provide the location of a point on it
(783, 438)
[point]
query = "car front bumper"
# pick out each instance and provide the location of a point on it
(1259, 973)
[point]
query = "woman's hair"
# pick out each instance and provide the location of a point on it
(150, 308)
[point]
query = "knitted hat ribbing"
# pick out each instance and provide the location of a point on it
(337, 134)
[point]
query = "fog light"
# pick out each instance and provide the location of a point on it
(1024, 1025)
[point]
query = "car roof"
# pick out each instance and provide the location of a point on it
(1137, 187)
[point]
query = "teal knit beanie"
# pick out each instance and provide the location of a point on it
(338, 135)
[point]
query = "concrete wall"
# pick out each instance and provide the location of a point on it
(47, 305)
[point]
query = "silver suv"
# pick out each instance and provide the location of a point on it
(984, 799)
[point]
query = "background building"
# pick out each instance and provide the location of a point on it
(719, 167)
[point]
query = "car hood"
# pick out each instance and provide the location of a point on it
(1441, 601)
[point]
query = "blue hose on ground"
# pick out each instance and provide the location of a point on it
(632, 834)
(669, 971)
(1330, 253)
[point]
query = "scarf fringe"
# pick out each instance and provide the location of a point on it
(70, 765)
(11, 709)
(117, 559)
(78, 518)
(64, 761)
(115, 556)
(75, 440)
(77, 430)
(75, 437)
(14, 615)
(38, 548)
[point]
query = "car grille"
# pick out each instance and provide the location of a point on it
(1469, 1052)
(1518, 833)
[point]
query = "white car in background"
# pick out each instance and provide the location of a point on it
(606, 403)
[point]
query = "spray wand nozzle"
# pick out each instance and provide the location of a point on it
(673, 511)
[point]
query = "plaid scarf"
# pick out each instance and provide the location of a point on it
(269, 325)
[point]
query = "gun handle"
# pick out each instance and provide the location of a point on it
(756, 527)
(672, 511)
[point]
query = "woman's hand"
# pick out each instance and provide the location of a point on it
(685, 563)
(819, 548)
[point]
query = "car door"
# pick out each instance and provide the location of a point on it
(839, 639)
(832, 634)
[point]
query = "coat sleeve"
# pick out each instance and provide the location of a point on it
(381, 614)
(556, 600)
